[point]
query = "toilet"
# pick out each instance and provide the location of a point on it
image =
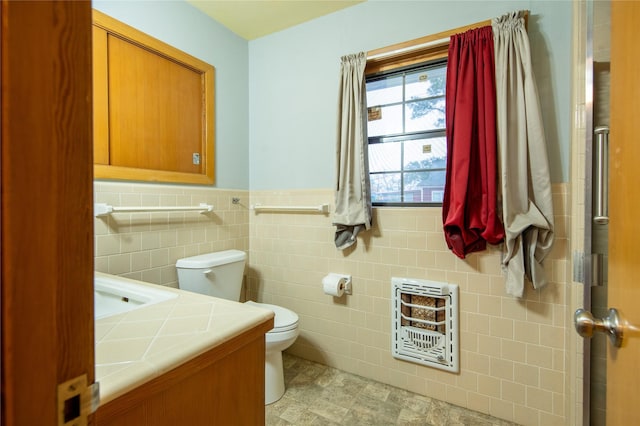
(219, 274)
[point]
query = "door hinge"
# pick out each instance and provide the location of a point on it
(76, 401)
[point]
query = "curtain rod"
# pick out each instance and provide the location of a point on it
(434, 40)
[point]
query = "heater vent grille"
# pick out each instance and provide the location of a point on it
(425, 323)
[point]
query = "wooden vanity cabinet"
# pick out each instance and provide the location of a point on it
(153, 108)
(224, 386)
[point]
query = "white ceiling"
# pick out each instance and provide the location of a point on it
(251, 19)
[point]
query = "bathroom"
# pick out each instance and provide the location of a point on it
(515, 353)
(521, 358)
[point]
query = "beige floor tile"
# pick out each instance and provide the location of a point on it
(320, 395)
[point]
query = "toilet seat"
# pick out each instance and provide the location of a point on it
(284, 319)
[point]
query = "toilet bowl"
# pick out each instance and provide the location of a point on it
(219, 274)
(280, 337)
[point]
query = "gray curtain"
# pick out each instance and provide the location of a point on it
(523, 163)
(353, 200)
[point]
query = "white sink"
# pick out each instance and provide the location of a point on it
(114, 295)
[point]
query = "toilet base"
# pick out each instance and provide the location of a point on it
(273, 377)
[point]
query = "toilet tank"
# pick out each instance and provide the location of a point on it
(217, 274)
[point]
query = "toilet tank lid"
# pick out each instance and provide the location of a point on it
(209, 260)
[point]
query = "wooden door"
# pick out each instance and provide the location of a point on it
(46, 205)
(623, 374)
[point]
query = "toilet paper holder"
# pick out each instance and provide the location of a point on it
(344, 280)
(347, 284)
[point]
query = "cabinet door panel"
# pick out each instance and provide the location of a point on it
(155, 110)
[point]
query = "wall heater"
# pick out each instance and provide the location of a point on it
(425, 323)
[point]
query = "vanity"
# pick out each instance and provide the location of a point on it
(185, 360)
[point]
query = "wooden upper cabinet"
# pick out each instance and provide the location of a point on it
(153, 108)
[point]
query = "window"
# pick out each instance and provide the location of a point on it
(406, 129)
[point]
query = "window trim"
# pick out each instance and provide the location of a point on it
(412, 52)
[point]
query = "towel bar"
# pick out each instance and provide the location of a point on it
(322, 208)
(103, 209)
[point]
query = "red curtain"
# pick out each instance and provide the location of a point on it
(469, 212)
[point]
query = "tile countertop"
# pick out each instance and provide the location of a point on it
(137, 346)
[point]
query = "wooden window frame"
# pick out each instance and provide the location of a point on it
(412, 52)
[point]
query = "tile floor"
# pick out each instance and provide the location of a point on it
(321, 395)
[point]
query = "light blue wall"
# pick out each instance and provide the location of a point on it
(276, 96)
(185, 27)
(293, 80)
